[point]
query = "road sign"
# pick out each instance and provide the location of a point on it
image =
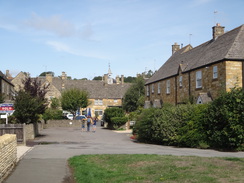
(6, 108)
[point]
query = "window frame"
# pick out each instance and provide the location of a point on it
(159, 87)
(148, 90)
(168, 87)
(215, 72)
(180, 81)
(199, 79)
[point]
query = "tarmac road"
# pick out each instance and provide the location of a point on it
(47, 163)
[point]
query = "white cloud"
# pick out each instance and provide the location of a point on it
(61, 47)
(52, 24)
(59, 26)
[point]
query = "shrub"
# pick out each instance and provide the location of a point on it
(224, 120)
(118, 121)
(190, 134)
(171, 125)
(51, 114)
(109, 113)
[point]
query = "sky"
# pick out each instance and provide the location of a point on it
(84, 37)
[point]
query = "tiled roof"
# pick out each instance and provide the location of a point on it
(228, 46)
(96, 89)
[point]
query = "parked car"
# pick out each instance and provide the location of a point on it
(70, 116)
(80, 117)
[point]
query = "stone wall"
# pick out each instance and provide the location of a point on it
(8, 154)
(229, 75)
(63, 123)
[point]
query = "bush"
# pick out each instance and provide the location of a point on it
(190, 134)
(171, 125)
(224, 120)
(109, 113)
(52, 114)
(118, 121)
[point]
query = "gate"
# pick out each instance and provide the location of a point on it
(17, 129)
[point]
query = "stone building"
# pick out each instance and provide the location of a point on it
(6, 88)
(102, 94)
(199, 73)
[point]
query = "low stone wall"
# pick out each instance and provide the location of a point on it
(29, 131)
(8, 154)
(63, 123)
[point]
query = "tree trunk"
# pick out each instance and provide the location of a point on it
(36, 131)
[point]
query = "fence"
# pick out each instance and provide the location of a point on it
(18, 129)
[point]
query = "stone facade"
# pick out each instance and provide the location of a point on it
(8, 155)
(207, 70)
(229, 75)
(6, 88)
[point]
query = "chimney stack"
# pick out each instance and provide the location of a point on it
(175, 48)
(122, 79)
(49, 77)
(64, 76)
(117, 80)
(105, 79)
(218, 31)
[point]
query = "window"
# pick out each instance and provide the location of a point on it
(115, 101)
(215, 72)
(168, 87)
(148, 90)
(152, 88)
(98, 112)
(198, 79)
(98, 102)
(159, 88)
(180, 81)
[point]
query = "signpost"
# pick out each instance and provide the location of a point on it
(6, 108)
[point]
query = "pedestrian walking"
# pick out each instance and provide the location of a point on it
(83, 124)
(94, 124)
(89, 122)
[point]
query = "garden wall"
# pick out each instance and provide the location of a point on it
(8, 154)
(63, 123)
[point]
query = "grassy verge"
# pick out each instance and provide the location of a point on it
(155, 168)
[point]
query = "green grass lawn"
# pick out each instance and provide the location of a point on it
(156, 168)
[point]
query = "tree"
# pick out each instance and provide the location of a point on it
(48, 72)
(74, 99)
(98, 78)
(134, 95)
(55, 103)
(129, 79)
(30, 102)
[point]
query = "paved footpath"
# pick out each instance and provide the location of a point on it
(47, 163)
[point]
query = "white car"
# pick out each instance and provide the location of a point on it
(70, 116)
